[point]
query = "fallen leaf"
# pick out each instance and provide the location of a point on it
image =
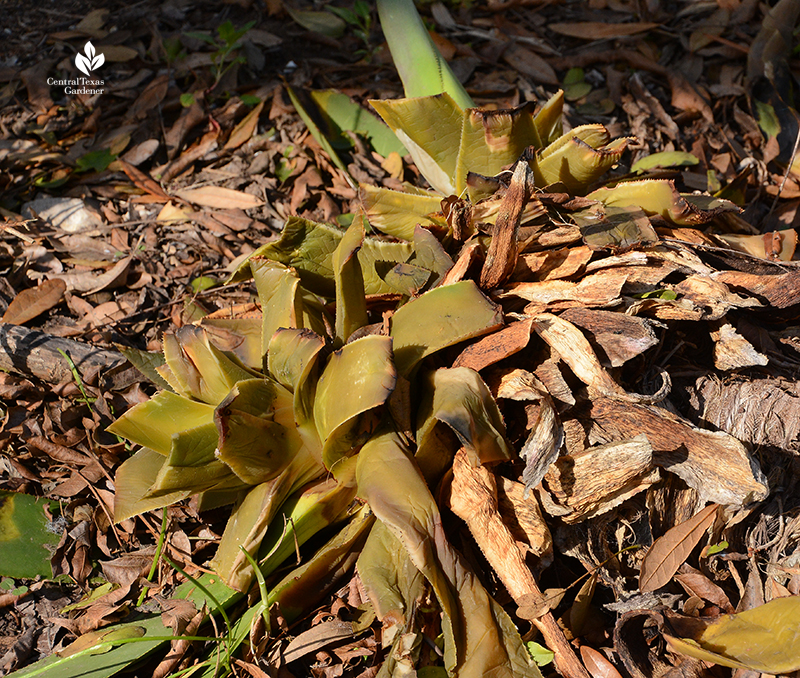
(669, 552)
(245, 129)
(597, 30)
(219, 197)
(597, 665)
(34, 301)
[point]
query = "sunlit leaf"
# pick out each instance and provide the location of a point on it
(659, 197)
(396, 213)
(616, 228)
(548, 119)
(202, 371)
(152, 424)
(577, 163)
(419, 63)
(480, 638)
(441, 317)
(491, 140)
(665, 159)
(341, 114)
(252, 443)
(430, 128)
(308, 247)
(351, 304)
(26, 543)
(765, 638)
(459, 398)
(132, 483)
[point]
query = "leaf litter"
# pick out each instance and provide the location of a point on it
(162, 200)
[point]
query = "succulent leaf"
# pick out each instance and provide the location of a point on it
(439, 318)
(357, 379)
(154, 423)
(351, 304)
(133, 480)
(396, 213)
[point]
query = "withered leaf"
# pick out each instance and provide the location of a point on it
(670, 551)
(34, 301)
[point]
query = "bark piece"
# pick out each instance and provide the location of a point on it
(780, 291)
(731, 350)
(524, 519)
(714, 463)
(621, 336)
(473, 498)
(757, 411)
(711, 295)
(495, 347)
(596, 480)
(552, 264)
(544, 440)
(501, 258)
(598, 289)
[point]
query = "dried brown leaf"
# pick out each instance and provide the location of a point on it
(220, 197)
(34, 301)
(597, 30)
(597, 665)
(245, 129)
(669, 552)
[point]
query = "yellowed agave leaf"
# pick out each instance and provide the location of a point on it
(765, 638)
(396, 213)
(492, 140)
(132, 482)
(577, 164)
(351, 304)
(548, 119)
(430, 128)
(659, 197)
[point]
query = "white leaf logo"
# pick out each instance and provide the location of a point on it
(90, 62)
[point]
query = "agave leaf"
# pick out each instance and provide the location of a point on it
(439, 318)
(431, 255)
(278, 291)
(251, 443)
(548, 120)
(351, 304)
(395, 587)
(202, 371)
(308, 247)
(396, 213)
(341, 113)
(764, 639)
(358, 378)
(659, 197)
(491, 140)
(147, 362)
(430, 128)
(392, 582)
(303, 587)
(594, 135)
(293, 357)
(459, 398)
(421, 67)
(577, 164)
(191, 465)
(308, 118)
(26, 538)
(154, 423)
(242, 335)
(407, 279)
(480, 639)
(251, 518)
(133, 481)
(614, 227)
(303, 515)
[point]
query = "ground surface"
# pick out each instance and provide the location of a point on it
(138, 264)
